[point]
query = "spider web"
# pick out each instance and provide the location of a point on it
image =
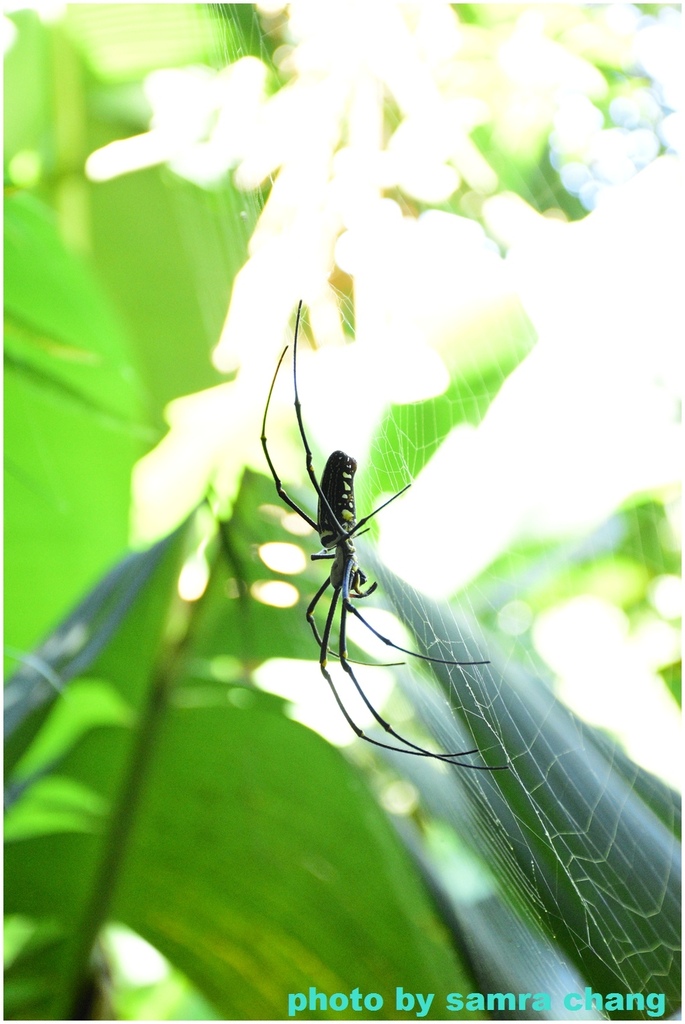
(539, 440)
(572, 839)
(592, 818)
(518, 503)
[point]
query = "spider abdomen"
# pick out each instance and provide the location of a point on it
(337, 484)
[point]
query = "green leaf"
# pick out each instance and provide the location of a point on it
(71, 406)
(74, 646)
(70, 823)
(575, 812)
(247, 875)
(204, 821)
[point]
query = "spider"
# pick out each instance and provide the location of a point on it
(337, 526)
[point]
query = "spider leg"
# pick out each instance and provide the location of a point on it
(356, 531)
(310, 610)
(381, 721)
(418, 752)
(375, 512)
(309, 459)
(319, 640)
(413, 654)
(280, 489)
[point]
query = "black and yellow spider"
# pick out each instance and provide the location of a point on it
(337, 525)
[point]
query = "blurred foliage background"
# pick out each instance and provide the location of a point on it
(478, 205)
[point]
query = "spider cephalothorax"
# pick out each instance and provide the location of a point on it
(337, 526)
